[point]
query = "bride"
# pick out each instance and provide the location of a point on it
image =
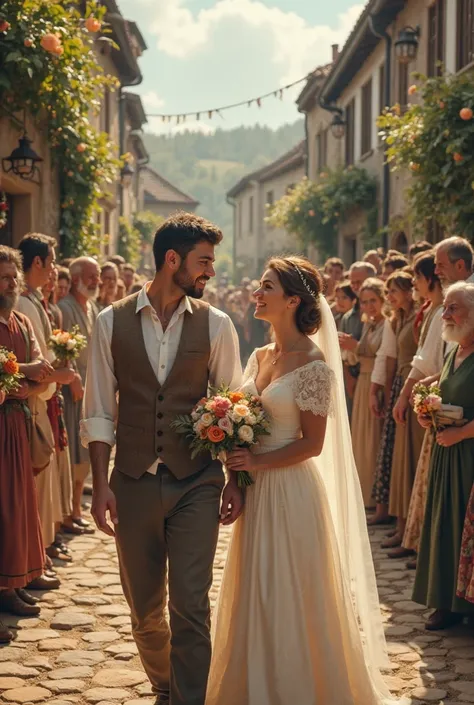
(298, 620)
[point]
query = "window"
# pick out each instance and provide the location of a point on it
(435, 37)
(402, 87)
(366, 126)
(322, 149)
(382, 101)
(270, 198)
(350, 141)
(106, 111)
(6, 232)
(251, 214)
(382, 105)
(465, 33)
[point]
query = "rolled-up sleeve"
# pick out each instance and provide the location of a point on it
(428, 360)
(388, 348)
(224, 363)
(100, 395)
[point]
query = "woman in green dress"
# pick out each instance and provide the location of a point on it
(451, 472)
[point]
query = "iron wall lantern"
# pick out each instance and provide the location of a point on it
(338, 126)
(23, 160)
(406, 46)
(126, 175)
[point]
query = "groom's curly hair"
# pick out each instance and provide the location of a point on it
(181, 232)
(299, 277)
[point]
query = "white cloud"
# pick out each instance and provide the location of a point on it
(297, 46)
(152, 101)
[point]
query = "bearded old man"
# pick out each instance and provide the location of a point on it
(21, 545)
(451, 471)
(38, 256)
(79, 309)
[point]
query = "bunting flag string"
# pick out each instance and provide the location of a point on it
(181, 117)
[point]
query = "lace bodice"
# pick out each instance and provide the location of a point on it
(308, 388)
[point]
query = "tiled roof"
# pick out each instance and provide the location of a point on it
(158, 190)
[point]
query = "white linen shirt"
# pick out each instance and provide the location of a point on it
(100, 396)
(388, 348)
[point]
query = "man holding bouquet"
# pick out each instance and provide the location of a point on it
(160, 350)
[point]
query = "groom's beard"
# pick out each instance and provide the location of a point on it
(185, 282)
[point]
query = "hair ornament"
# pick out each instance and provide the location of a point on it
(305, 283)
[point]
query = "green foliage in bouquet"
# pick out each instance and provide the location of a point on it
(222, 422)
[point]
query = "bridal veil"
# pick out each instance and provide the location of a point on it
(339, 473)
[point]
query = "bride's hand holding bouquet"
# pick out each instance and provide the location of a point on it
(226, 425)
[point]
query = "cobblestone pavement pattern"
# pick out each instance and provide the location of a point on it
(80, 649)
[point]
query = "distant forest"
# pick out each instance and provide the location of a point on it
(207, 166)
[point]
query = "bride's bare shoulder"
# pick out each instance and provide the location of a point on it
(314, 354)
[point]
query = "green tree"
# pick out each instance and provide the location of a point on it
(313, 211)
(147, 223)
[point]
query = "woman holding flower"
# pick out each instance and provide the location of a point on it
(451, 477)
(426, 362)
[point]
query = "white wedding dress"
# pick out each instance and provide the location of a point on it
(285, 629)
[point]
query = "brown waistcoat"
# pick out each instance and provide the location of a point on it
(146, 408)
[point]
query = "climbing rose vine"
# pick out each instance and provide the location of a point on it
(434, 140)
(313, 211)
(50, 68)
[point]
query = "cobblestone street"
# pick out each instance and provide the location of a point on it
(81, 649)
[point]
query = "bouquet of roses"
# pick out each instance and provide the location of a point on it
(10, 374)
(427, 401)
(222, 422)
(67, 345)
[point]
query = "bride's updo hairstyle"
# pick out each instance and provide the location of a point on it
(299, 277)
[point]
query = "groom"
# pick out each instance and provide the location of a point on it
(160, 349)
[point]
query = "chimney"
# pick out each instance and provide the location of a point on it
(335, 52)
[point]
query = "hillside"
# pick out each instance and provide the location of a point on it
(206, 166)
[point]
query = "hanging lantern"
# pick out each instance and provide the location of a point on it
(23, 160)
(126, 175)
(338, 126)
(406, 46)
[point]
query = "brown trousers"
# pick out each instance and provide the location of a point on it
(170, 526)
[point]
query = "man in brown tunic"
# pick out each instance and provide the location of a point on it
(160, 349)
(21, 546)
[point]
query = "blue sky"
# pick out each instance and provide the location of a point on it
(205, 53)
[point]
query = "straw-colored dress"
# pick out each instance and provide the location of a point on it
(366, 428)
(408, 436)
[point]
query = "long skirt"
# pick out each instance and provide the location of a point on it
(366, 432)
(465, 587)
(406, 453)
(383, 465)
(450, 484)
(416, 511)
(21, 545)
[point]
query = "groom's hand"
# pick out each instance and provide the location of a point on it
(232, 503)
(103, 501)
